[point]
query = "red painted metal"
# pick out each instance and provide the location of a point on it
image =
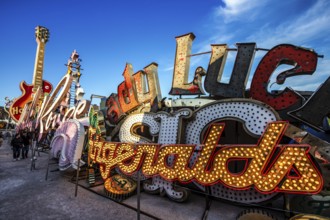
(114, 111)
(126, 90)
(304, 62)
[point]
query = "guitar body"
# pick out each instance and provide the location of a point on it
(26, 97)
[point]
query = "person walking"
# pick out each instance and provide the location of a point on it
(26, 144)
(1, 138)
(17, 144)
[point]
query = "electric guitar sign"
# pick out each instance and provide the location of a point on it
(42, 36)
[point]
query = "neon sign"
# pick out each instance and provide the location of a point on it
(160, 155)
(291, 171)
(47, 118)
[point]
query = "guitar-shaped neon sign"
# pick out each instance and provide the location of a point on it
(42, 36)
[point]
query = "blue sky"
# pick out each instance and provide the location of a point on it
(107, 34)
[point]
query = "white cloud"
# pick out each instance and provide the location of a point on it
(169, 68)
(314, 23)
(235, 9)
(323, 67)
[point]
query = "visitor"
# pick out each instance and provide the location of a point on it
(1, 138)
(17, 144)
(26, 144)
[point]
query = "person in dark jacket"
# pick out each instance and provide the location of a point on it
(1, 138)
(26, 144)
(17, 144)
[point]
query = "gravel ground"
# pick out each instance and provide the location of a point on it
(25, 194)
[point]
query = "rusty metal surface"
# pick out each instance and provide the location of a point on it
(114, 111)
(303, 137)
(141, 86)
(180, 85)
(195, 103)
(126, 90)
(240, 73)
(154, 85)
(304, 62)
(147, 84)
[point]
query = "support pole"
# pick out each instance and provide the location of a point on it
(33, 158)
(208, 202)
(47, 166)
(138, 195)
(77, 178)
(286, 206)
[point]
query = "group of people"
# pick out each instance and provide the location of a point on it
(21, 144)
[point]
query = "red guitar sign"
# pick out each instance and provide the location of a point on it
(42, 35)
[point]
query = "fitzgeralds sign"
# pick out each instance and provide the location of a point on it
(291, 170)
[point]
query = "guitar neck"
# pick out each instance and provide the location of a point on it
(39, 66)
